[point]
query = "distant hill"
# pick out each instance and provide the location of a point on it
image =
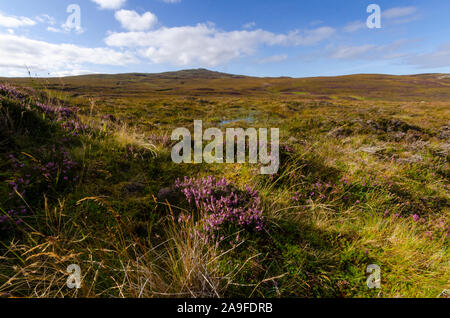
(202, 82)
(176, 75)
(197, 73)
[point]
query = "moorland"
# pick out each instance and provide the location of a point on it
(86, 177)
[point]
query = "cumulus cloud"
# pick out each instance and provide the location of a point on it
(110, 4)
(10, 21)
(132, 21)
(18, 52)
(203, 44)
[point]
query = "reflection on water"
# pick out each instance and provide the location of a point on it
(249, 119)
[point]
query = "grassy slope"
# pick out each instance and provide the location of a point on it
(205, 83)
(381, 172)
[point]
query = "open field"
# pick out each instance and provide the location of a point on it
(86, 178)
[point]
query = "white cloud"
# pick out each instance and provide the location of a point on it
(398, 15)
(45, 18)
(354, 26)
(172, 1)
(18, 52)
(398, 12)
(14, 72)
(110, 4)
(10, 21)
(203, 44)
(73, 72)
(65, 29)
(249, 25)
(315, 23)
(401, 15)
(132, 21)
(55, 30)
(370, 51)
(351, 52)
(273, 59)
(436, 59)
(68, 28)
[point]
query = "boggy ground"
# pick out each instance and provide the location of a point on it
(364, 179)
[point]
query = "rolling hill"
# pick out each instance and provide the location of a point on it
(201, 82)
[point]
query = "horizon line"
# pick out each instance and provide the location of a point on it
(214, 71)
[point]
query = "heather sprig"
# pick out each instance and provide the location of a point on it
(10, 91)
(59, 112)
(55, 172)
(221, 204)
(158, 139)
(66, 117)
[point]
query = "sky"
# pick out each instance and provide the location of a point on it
(269, 38)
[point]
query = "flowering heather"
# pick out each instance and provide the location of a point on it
(156, 139)
(222, 204)
(288, 148)
(74, 126)
(55, 171)
(110, 117)
(66, 116)
(59, 169)
(7, 90)
(12, 216)
(60, 112)
(31, 178)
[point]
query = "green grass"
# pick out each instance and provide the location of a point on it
(359, 185)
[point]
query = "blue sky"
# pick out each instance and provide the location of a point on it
(252, 37)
